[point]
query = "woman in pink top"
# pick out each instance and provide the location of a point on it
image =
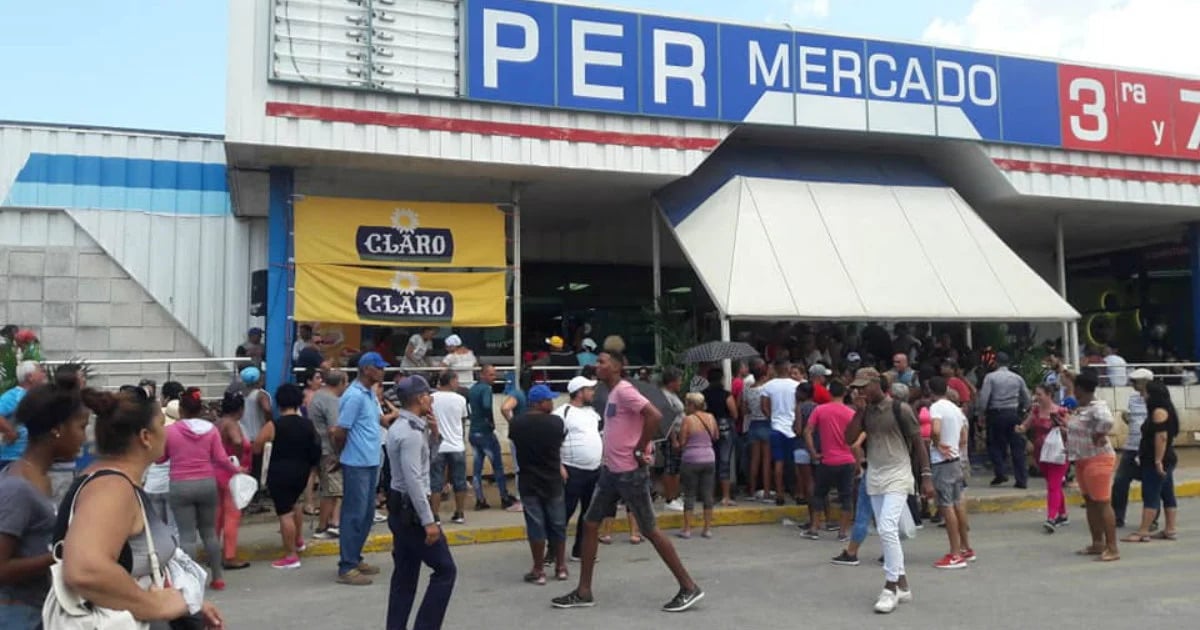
(1044, 417)
(229, 517)
(697, 434)
(194, 448)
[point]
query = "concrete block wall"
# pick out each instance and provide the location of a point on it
(82, 304)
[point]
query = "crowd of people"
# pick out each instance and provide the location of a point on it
(886, 441)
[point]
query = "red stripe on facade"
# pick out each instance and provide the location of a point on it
(487, 128)
(1050, 168)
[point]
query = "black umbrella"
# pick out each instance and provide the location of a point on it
(714, 351)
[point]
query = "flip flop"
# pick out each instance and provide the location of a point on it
(561, 575)
(635, 539)
(1136, 538)
(1108, 557)
(1165, 535)
(1089, 551)
(606, 540)
(535, 578)
(683, 535)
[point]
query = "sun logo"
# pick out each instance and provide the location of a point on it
(405, 283)
(405, 220)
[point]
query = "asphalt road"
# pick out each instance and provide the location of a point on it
(768, 577)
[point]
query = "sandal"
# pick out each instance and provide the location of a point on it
(233, 565)
(561, 575)
(1090, 551)
(1165, 535)
(535, 578)
(606, 540)
(1108, 556)
(1136, 538)
(684, 534)
(635, 539)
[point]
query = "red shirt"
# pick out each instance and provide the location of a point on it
(960, 386)
(821, 394)
(829, 421)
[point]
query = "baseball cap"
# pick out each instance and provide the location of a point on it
(1141, 374)
(819, 370)
(578, 383)
(865, 376)
(373, 359)
(555, 342)
(589, 344)
(410, 386)
(453, 341)
(854, 357)
(539, 393)
(254, 331)
(250, 375)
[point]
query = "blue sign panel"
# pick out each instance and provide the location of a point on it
(534, 53)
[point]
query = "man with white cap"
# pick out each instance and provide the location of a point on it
(460, 359)
(1128, 468)
(581, 452)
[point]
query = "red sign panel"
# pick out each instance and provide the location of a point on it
(1186, 95)
(1087, 97)
(1144, 104)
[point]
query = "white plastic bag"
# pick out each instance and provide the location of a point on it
(242, 488)
(189, 578)
(908, 527)
(1053, 450)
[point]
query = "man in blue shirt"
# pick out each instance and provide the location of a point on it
(482, 437)
(357, 438)
(13, 437)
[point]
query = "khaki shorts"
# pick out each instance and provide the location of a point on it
(330, 477)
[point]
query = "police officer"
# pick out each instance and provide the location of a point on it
(416, 537)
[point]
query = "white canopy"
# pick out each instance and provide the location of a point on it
(769, 248)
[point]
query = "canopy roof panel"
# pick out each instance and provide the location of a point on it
(858, 238)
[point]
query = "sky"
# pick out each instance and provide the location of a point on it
(160, 64)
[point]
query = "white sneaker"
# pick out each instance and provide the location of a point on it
(380, 517)
(675, 506)
(887, 602)
(904, 596)
(758, 496)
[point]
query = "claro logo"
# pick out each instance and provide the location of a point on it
(405, 241)
(404, 301)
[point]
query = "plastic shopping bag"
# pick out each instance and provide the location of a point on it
(1053, 450)
(242, 488)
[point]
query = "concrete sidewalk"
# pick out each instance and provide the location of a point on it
(259, 535)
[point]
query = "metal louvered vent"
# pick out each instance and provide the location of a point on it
(408, 46)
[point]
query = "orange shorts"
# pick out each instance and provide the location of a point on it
(1095, 476)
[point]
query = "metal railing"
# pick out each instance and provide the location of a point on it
(211, 375)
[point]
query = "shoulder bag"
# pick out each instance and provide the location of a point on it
(64, 609)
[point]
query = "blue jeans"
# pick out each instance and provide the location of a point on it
(545, 518)
(486, 445)
(862, 513)
(1158, 491)
(358, 514)
(409, 552)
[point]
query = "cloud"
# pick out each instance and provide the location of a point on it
(1155, 35)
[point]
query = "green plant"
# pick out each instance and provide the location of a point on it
(1028, 363)
(676, 331)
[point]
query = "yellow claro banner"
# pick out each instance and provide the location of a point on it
(360, 295)
(398, 233)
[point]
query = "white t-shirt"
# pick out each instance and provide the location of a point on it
(450, 408)
(782, 392)
(582, 447)
(952, 422)
(463, 365)
(419, 348)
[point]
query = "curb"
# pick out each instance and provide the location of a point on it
(749, 515)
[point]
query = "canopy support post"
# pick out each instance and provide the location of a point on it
(970, 337)
(726, 365)
(1060, 262)
(516, 278)
(656, 271)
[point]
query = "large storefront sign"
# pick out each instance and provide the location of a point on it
(398, 233)
(573, 57)
(361, 295)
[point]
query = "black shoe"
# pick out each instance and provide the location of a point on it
(1021, 486)
(1062, 521)
(936, 520)
(880, 560)
(999, 480)
(1049, 526)
(506, 503)
(482, 505)
(573, 600)
(844, 559)
(801, 501)
(779, 501)
(684, 600)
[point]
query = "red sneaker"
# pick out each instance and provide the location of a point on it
(950, 561)
(968, 555)
(218, 585)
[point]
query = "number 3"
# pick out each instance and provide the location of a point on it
(1094, 110)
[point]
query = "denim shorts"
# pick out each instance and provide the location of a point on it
(545, 518)
(760, 431)
(782, 446)
(458, 471)
(632, 488)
